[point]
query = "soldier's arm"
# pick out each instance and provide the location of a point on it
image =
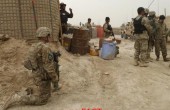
(49, 67)
(105, 27)
(157, 26)
(168, 33)
(49, 64)
(70, 15)
(166, 30)
(147, 25)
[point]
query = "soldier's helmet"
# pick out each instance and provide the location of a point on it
(43, 32)
(152, 13)
(146, 10)
(62, 4)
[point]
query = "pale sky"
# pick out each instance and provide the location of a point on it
(120, 11)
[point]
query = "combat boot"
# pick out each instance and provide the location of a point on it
(165, 59)
(136, 63)
(147, 61)
(14, 99)
(157, 59)
(142, 64)
(150, 59)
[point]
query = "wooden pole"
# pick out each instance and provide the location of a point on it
(60, 27)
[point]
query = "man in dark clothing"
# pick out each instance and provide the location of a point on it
(64, 17)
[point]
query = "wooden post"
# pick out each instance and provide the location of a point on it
(60, 28)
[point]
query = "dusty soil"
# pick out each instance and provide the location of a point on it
(90, 82)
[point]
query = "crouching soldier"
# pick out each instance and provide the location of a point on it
(41, 62)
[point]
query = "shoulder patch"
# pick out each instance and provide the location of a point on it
(50, 56)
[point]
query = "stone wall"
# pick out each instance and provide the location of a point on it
(21, 18)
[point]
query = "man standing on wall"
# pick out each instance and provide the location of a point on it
(64, 17)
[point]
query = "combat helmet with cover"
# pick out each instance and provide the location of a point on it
(43, 32)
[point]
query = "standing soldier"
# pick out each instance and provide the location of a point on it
(141, 29)
(41, 62)
(149, 34)
(64, 17)
(89, 26)
(160, 38)
(152, 19)
(108, 31)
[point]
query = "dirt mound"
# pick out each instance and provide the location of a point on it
(12, 73)
(14, 76)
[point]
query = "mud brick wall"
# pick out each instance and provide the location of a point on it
(19, 19)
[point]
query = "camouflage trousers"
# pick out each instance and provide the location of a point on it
(151, 43)
(160, 45)
(40, 97)
(141, 48)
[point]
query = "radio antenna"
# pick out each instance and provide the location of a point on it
(151, 3)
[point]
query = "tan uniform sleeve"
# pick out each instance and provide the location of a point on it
(157, 26)
(166, 30)
(168, 33)
(49, 64)
(146, 23)
(105, 28)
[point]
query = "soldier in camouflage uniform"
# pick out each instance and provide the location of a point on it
(43, 74)
(152, 19)
(141, 29)
(160, 38)
(89, 26)
(148, 22)
(108, 31)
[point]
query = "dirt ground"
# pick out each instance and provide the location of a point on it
(91, 82)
